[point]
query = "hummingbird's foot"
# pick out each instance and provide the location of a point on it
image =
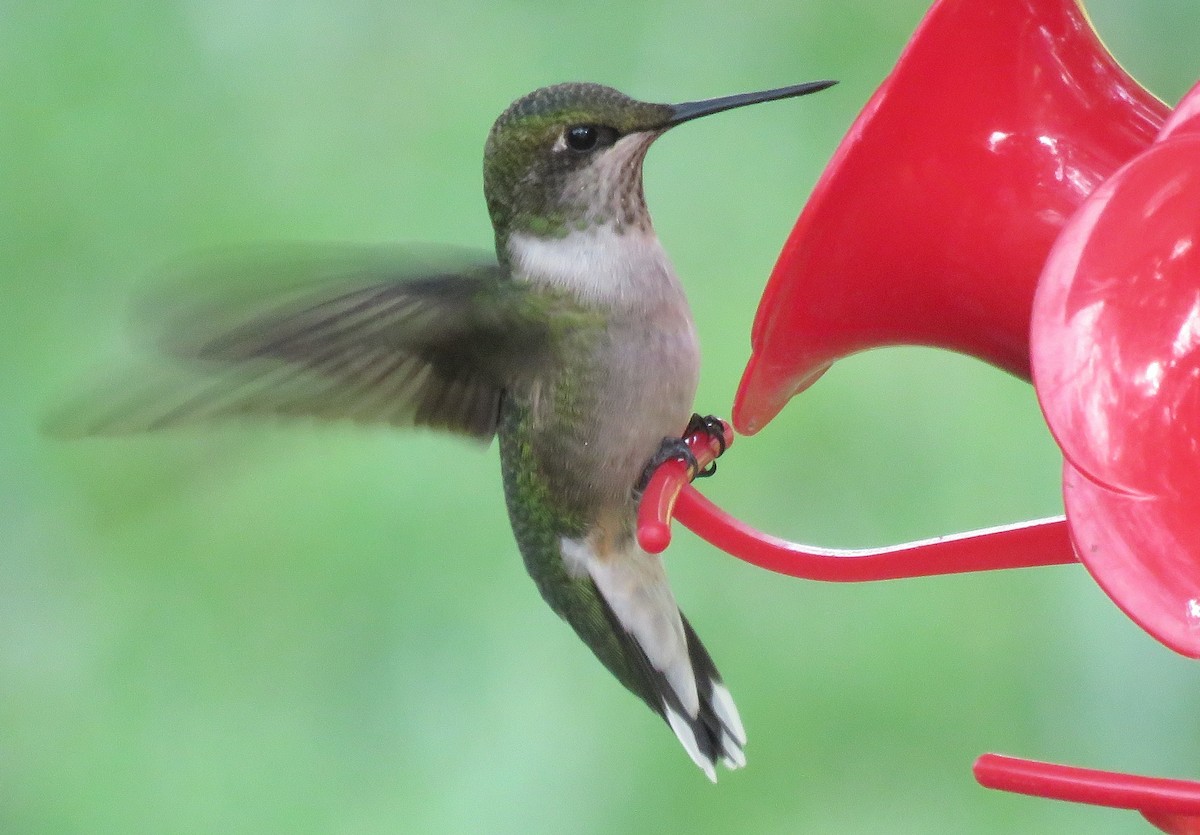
(677, 448)
(669, 450)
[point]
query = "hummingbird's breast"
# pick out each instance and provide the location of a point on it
(649, 364)
(604, 411)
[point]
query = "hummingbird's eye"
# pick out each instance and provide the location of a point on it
(584, 138)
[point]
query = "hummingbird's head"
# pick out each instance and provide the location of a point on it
(569, 156)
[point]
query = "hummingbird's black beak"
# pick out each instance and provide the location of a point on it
(695, 109)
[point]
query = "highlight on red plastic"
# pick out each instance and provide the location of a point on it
(932, 221)
(1171, 805)
(1116, 357)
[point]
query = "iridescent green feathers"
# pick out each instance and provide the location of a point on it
(535, 182)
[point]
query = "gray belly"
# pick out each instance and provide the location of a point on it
(650, 392)
(605, 418)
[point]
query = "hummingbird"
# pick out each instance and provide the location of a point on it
(575, 347)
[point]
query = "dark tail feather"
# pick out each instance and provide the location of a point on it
(718, 727)
(715, 732)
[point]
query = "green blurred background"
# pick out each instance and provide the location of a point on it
(292, 629)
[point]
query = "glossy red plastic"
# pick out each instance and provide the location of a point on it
(931, 223)
(1171, 805)
(1116, 350)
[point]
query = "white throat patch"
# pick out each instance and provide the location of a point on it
(597, 263)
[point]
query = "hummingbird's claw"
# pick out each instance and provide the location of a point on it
(669, 450)
(712, 426)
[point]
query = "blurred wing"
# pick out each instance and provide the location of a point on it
(345, 335)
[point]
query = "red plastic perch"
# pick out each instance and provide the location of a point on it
(1171, 805)
(1021, 545)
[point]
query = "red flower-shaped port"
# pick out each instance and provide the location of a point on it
(1116, 353)
(933, 219)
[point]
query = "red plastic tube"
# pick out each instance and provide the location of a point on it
(1022, 545)
(1171, 805)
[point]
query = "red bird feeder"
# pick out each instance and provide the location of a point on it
(1010, 193)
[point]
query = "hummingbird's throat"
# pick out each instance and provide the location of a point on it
(604, 192)
(609, 191)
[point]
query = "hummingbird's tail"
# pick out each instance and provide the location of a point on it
(703, 717)
(716, 731)
(659, 657)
